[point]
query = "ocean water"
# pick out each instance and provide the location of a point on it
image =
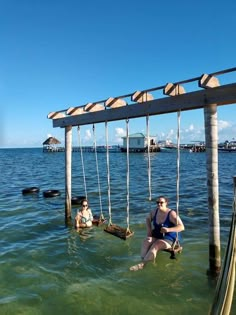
(47, 267)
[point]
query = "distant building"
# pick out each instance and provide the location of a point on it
(138, 142)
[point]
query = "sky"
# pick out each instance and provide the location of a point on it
(55, 54)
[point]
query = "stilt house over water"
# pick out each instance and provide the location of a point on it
(138, 142)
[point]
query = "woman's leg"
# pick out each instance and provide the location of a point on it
(155, 248)
(147, 243)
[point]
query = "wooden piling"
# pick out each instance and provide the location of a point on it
(211, 137)
(68, 166)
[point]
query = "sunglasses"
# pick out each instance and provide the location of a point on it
(160, 202)
(85, 206)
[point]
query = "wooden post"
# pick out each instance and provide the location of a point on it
(211, 136)
(68, 162)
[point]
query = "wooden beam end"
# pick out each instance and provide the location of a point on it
(207, 81)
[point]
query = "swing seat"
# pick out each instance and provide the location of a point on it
(176, 249)
(118, 231)
(98, 220)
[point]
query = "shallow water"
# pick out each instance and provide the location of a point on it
(49, 268)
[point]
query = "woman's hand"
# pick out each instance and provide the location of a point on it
(164, 230)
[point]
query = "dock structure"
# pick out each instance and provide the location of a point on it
(207, 96)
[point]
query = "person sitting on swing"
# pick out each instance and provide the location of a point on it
(166, 224)
(84, 217)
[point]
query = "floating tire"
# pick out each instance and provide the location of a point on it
(30, 190)
(77, 200)
(51, 193)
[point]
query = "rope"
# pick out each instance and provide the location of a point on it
(149, 160)
(127, 172)
(177, 178)
(178, 164)
(82, 161)
(108, 175)
(98, 177)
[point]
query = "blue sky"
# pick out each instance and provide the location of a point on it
(56, 54)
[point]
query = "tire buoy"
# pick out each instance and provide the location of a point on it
(51, 193)
(30, 190)
(77, 200)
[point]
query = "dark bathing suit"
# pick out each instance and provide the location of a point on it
(168, 237)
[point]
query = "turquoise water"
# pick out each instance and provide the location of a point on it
(49, 268)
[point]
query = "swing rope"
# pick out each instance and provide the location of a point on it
(82, 161)
(108, 175)
(149, 160)
(176, 243)
(98, 177)
(113, 229)
(175, 248)
(127, 172)
(178, 164)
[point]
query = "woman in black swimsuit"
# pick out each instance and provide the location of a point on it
(161, 236)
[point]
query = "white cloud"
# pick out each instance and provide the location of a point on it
(222, 124)
(119, 133)
(88, 135)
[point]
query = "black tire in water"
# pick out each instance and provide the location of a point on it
(51, 193)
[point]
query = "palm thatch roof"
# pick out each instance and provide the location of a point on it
(50, 141)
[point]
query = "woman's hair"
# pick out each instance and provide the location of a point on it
(83, 200)
(163, 197)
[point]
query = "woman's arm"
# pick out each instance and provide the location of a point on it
(179, 226)
(149, 224)
(90, 214)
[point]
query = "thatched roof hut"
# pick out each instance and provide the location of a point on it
(50, 145)
(51, 141)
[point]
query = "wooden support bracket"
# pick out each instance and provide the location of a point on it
(173, 89)
(115, 102)
(93, 107)
(141, 97)
(75, 111)
(56, 115)
(207, 81)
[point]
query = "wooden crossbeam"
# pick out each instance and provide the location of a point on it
(207, 81)
(222, 95)
(173, 89)
(141, 97)
(114, 102)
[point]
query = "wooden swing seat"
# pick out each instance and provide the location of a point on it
(118, 231)
(176, 249)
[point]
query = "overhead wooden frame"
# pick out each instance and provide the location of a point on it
(221, 95)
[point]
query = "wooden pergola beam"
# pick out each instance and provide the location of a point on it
(222, 95)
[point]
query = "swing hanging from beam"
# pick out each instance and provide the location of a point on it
(176, 247)
(114, 229)
(98, 220)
